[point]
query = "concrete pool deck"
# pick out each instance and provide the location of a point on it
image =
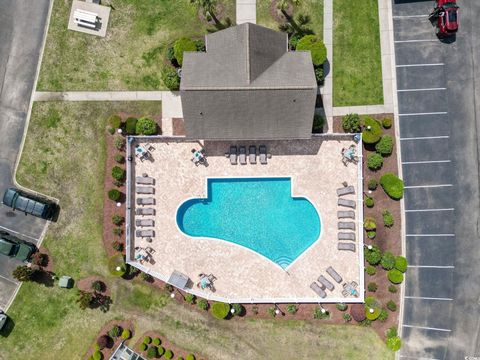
(242, 275)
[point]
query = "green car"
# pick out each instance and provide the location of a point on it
(15, 248)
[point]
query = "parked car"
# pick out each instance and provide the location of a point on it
(3, 319)
(18, 200)
(15, 248)
(445, 16)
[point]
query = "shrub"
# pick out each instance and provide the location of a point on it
(202, 304)
(169, 288)
(152, 352)
(39, 259)
(117, 232)
(394, 343)
(118, 173)
(114, 194)
(146, 126)
(103, 341)
(319, 75)
(371, 270)
(391, 332)
(168, 354)
(170, 55)
(239, 309)
(119, 142)
(220, 310)
(372, 286)
(385, 146)
(116, 265)
(358, 312)
(181, 45)
(119, 158)
(293, 41)
(318, 314)
(98, 285)
(351, 123)
(143, 347)
(318, 122)
(395, 276)
(170, 78)
(200, 45)
(161, 350)
(392, 185)
(369, 224)
(97, 355)
(84, 299)
(146, 277)
(387, 123)
(374, 255)
(369, 202)
(372, 184)
(271, 311)
(147, 340)
(117, 219)
(115, 331)
(341, 306)
(23, 273)
(371, 234)
(365, 322)
(383, 315)
(292, 308)
(392, 289)
(255, 310)
(156, 341)
(387, 218)
(374, 161)
(111, 131)
(401, 264)
(315, 46)
(391, 305)
(190, 357)
(371, 131)
(347, 317)
(130, 125)
(115, 121)
(388, 260)
(190, 298)
(126, 334)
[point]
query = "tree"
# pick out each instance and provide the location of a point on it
(84, 299)
(208, 7)
(23, 273)
(283, 5)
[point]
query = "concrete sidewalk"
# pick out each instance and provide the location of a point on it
(246, 11)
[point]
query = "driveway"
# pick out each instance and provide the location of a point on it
(22, 24)
(438, 133)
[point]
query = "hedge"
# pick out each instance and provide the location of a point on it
(351, 123)
(401, 264)
(395, 276)
(374, 161)
(392, 185)
(130, 125)
(115, 121)
(372, 131)
(315, 46)
(170, 78)
(181, 45)
(220, 310)
(146, 126)
(385, 146)
(114, 194)
(119, 142)
(388, 260)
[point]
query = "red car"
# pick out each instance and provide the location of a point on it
(445, 15)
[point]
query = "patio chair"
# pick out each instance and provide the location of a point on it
(233, 155)
(346, 236)
(145, 190)
(315, 287)
(149, 147)
(145, 233)
(242, 157)
(145, 211)
(335, 276)
(349, 214)
(344, 225)
(145, 180)
(323, 280)
(145, 201)
(347, 203)
(144, 222)
(346, 246)
(262, 153)
(346, 191)
(252, 154)
(345, 293)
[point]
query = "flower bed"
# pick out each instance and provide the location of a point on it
(113, 344)
(162, 345)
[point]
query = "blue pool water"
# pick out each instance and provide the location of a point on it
(257, 213)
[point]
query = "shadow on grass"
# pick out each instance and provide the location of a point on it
(7, 328)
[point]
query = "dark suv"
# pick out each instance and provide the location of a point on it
(15, 248)
(28, 204)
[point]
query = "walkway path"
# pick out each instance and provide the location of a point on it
(246, 11)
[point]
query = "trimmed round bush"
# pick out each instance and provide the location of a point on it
(114, 194)
(156, 341)
(347, 317)
(394, 343)
(371, 234)
(131, 125)
(119, 142)
(220, 310)
(391, 305)
(115, 331)
(115, 121)
(103, 341)
(146, 126)
(117, 219)
(190, 357)
(190, 298)
(181, 45)
(351, 123)
(126, 334)
(161, 350)
(391, 332)
(369, 224)
(168, 354)
(374, 161)
(388, 260)
(315, 46)
(116, 265)
(370, 270)
(239, 309)
(392, 185)
(147, 340)
(292, 308)
(401, 264)
(395, 276)
(118, 173)
(119, 158)
(170, 78)
(385, 146)
(372, 286)
(341, 306)
(369, 202)
(387, 123)
(373, 256)
(383, 315)
(371, 130)
(152, 352)
(372, 315)
(143, 347)
(202, 304)
(387, 218)
(372, 184)
(97, 355)
(393, 289)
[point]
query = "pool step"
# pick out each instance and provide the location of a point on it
(283, 261)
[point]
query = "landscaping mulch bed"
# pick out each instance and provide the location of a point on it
(108, 351)
(177, 352)
(86, 284)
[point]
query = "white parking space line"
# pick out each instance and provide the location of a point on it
(425, 328)
(414, 40)
(10, 280)
(17, 233)
(425, 113)
(425, 162)
(431, 235)
(427, 89)
(427, 298)
(431, 266)
(425, 137)
(419, 65)
(409, 16)
(427, 186)
(429, 210)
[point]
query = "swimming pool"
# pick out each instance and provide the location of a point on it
(257, 213)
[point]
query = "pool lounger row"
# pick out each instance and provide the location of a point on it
(346, 246)
(346, 225)
(145, 201)
(349, 214)
(145, 190)
(348, 190)
(318, 290)
(145, 211)
(145, 180)
(347, 203)
(145, 233)
(145, 222)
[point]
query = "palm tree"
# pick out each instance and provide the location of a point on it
(282, 5)
(208, 7)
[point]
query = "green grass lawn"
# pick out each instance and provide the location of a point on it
(64, 156)
(130, 56)
(357, 67)
(312, 8)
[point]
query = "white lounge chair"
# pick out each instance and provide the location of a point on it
(145, 180)
(346, 246)
(315, 287)
(335, 276)
(347, 203)
(252, 154)
(145, 233)
(145, 190)
(346, 191)
(233, 155)
(346, 225)
(323, 280)
(145, 211)
(346, 236)
(242, 156)
(262, 151)
(349, 214)
(145, 201)
(145, 222)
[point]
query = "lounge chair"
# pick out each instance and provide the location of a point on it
(145, 233)
(233, 155)
(145, 180)
(145, 201)
(323, 280)
(315, 287)
(252, 154)
(262, 152)
(344, 225)
(346, 191)
(349, 214)
(347, 203)
(145, 222)
(335, 276)
(145, 211)
(242, 157)
(145, 190)
(346, 246)
(346, 236)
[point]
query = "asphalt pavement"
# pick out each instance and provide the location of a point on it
(22, 26)
(439, 139)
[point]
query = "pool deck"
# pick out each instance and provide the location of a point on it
(242, 275)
